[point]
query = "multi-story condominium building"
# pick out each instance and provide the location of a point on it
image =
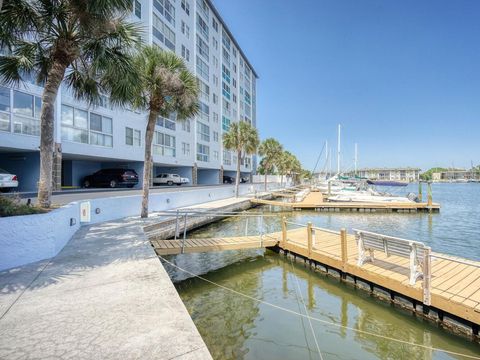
(91, 138)
(397, 174)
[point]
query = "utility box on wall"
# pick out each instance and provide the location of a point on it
(85, 211)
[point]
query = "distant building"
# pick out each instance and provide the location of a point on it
(397, 174)
(455, 175)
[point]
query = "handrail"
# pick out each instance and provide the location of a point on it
(438, 256)
(326, 230)
(389, 237)
(294, 223)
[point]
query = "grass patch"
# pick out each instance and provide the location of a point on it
(13, 207)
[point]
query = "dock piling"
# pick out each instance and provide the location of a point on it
(284, 232)
(343, 240)
(309, 239)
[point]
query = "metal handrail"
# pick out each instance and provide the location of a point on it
(326, 230)
(444, 257)
(390, 237)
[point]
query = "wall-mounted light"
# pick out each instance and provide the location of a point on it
(168, 201)
(97, 211)
(73, 221)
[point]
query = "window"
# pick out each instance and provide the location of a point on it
(215, 155)
(226, 56)
(226, 107)
(202, 5)
(204, 111)
(186, 6)
(215, 80)
(203, 131)
(215, 118)
(225, 123)
(167, 123)
(165, 8)
(26, 113)
(202, 68)
(4, 106)
(163, 33)
(100, 130)
(132, 137)
(185, 149)
(227, 157)
(215, 136)
(225, 74)
(185, 53)
(234, 98)
(202, 47)
(226, 90)
(225, 40)
(215, 62)
(235, 68)
(215, 43)
(137, 9)
(186, 125)
(185, 30)
(234, 83)
(215, 24)
(248, 98)
(215, 99)
(234, 52)
(204, 90)
(202, 27)
(203, 152)
(164, 144)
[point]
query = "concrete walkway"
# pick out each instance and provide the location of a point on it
(104, 296)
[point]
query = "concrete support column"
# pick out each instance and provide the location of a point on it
(57, 168)
(220, 175)
(194, 174)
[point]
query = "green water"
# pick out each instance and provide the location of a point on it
(237, 327)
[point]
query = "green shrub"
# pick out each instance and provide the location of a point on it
(13, 206)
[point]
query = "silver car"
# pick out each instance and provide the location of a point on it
(7, 181)
(169, 179)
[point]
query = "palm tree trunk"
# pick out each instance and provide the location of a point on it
(147, 165)
(281, 180)
(47, 126)
(237, 180)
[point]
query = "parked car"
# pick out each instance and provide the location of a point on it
(7, 181)
(244, 179)
(111, 178)
(228, 179)
(169, 179)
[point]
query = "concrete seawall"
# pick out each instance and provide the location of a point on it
(30, 238)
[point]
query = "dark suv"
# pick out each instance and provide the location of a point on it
(228, 179)
(111, 178)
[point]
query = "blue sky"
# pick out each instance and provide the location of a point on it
(402, 77)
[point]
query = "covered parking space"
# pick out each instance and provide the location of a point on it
(76, 167)
(246, 176)
(183, 171)
(25, 164)
(208, 176)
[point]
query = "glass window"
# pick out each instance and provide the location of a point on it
(4, 99)
(22, 104)
(95, 122)
(4, 122)
(81, 119)
(67, 115)
(38, 107)
(107, 125)
(138, 9)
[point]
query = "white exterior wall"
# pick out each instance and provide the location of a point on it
(125, 118)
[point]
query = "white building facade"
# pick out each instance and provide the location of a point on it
(395, 174)
(91, 138)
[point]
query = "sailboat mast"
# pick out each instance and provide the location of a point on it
(338, 149)
(356, 158)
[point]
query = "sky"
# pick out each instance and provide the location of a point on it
(401, 77)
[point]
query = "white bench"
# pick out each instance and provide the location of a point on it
(368, 242)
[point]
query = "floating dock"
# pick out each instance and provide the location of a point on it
(315, 201)
(448, 291)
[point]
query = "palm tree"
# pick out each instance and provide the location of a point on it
(270, 150)
(86, 44)
(163, 86)
(242, 138)
(284, 163)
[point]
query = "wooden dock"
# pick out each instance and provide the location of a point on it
(173, 247)
(315, 201)
(449, 289)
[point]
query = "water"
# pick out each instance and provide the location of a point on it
(237, 327)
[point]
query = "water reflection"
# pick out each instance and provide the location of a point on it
(235, 327)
